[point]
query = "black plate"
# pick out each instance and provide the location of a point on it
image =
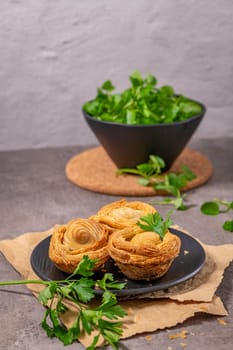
(185, 266)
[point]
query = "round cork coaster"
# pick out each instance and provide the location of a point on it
(93, 170)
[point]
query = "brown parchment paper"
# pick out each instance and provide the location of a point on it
(150, 312)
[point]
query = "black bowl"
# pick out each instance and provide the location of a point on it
(130, 145)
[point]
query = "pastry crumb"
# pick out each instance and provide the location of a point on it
(130, 311)
(186, 252)
(148, 337)
(182, 334)
(221, 321)
(204, 308)
(169, 348)
(183, 345)
(136, 318)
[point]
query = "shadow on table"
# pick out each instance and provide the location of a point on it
(219, 152)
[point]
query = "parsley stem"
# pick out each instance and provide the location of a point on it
(43, 282)
(11, 283)
(224, 203)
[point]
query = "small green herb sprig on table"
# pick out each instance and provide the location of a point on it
(146, 170)
(103, 319)
(155, 223)
(142, 103)
(216, 207)
(171, 183)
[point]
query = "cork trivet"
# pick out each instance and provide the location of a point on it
(93, 170)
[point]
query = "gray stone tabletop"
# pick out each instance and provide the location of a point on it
(35, 194)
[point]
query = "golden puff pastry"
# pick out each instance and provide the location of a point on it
(121, 214)
(70, 242)
(142, 255)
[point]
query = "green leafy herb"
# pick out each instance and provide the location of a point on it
(228, 225)
(103, 319)
(155, 223)
(142, 103)
(177, 202)
(171, 183)
(210, 208)
(216, 207)
(153, 167)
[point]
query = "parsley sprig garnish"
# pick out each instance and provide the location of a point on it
(173, 183)
(216, 207)
(151, 175)
(155, 223)
(57, 295)
(151, 168)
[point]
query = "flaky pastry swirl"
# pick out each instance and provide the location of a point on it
(143, 255)
(121, 214)
(79, 237)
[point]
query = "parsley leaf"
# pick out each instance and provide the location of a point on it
(210, 208)
(228, 226)
(108, 282)
(155, 223)
(47, 293)
(83, 289)
(84, 268)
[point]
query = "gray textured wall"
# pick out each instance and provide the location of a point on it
(54, 53)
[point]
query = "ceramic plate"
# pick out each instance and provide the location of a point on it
(185, 266)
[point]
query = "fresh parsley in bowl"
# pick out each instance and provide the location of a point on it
(142, 120)
(142, 103)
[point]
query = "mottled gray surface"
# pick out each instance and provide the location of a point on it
(35, 194)
(53, 55)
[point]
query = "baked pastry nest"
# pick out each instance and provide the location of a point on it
(142, 255)
(121, 214)
(79, 237)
